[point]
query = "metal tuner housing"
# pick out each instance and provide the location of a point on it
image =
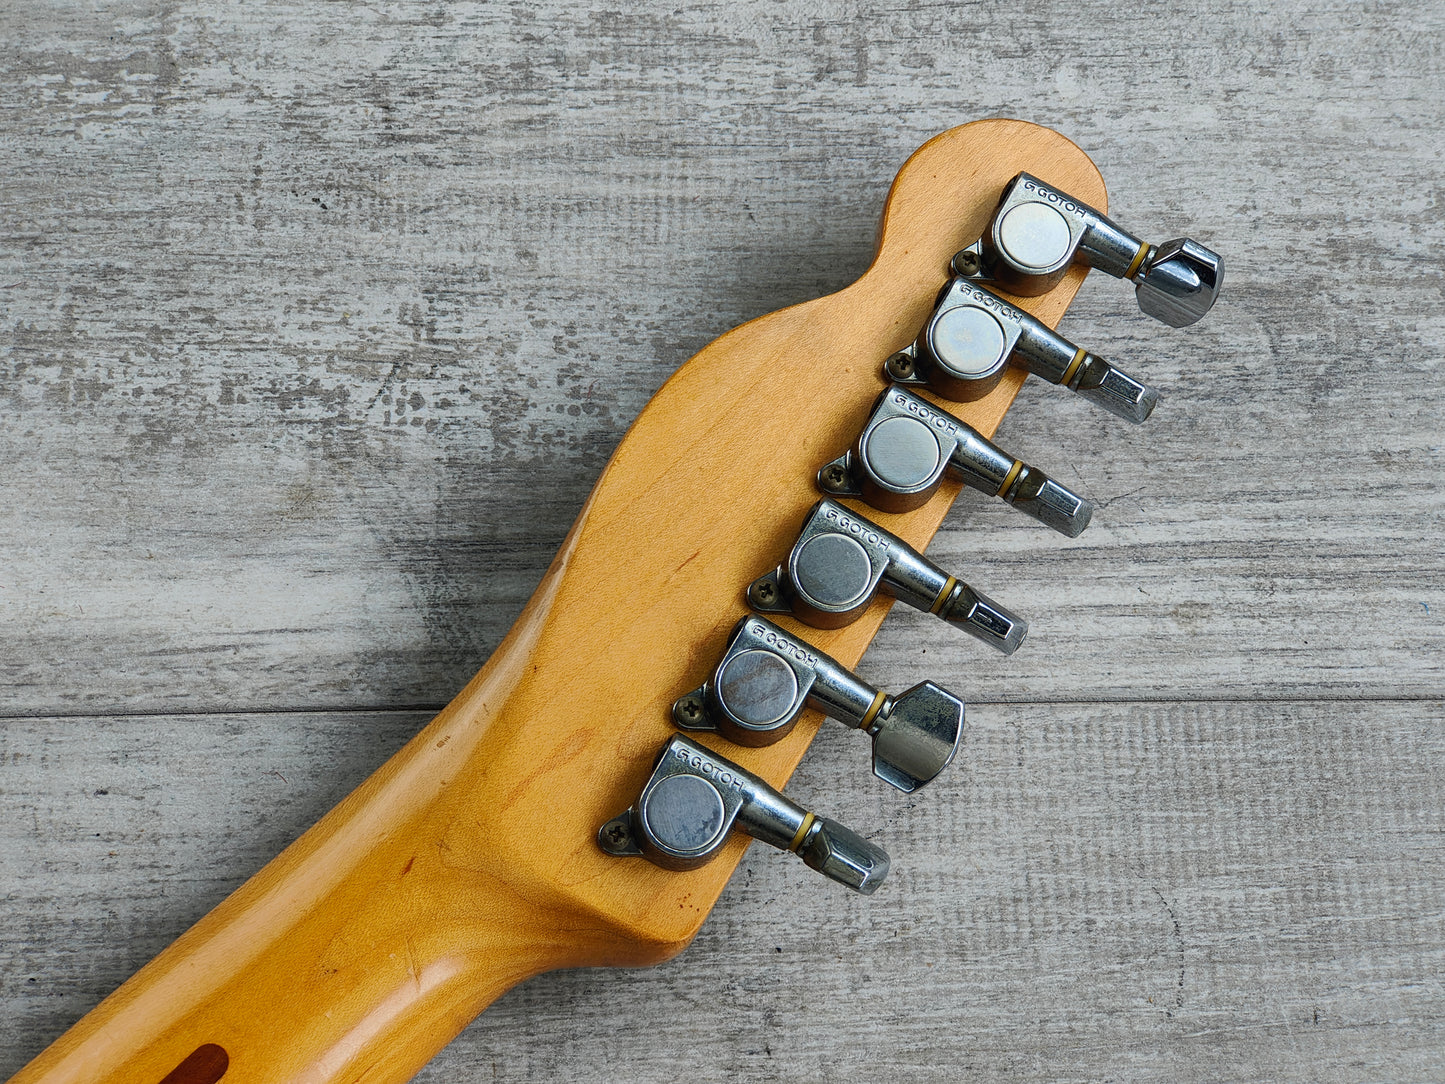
(1037, 231)
(973, 335)
(907, 446)
(695, 798)
(841, 560)
(767, 677)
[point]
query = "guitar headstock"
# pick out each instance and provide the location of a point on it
(706, 492)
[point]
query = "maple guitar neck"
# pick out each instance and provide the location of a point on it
(468, 862)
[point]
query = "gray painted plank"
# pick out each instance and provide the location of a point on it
(317, 323)
(1198, 891)
(317, 331)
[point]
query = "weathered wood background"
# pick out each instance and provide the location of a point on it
(318, 322)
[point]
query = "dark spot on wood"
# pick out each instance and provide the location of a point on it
(407, 868)
(204, 1065)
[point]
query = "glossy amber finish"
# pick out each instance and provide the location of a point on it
(467, 862)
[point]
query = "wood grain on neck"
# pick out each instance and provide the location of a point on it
(467, 862)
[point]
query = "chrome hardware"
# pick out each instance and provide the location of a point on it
(908, 443)
(841, 559)
(973, 335)
(766, 678)
(1037, 231)
(695, 798)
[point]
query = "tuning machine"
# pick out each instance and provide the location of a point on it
(973, 335)
(908, 444)
(695, 798)
(1037, 231)
(766, 678)
(841, 560)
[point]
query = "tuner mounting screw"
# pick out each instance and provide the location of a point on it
(966, 263)
(763, 592)
(688, 710)
(900, 367)
(616, 834)
(834, 476)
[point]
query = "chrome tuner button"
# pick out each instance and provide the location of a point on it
(1034, 235)
(842, 560)
(968, 341)
(757, 688)
(683, 815)
(1037, 231)
(903, 452)
(1178, 282)
(695, 798)
(896, 479)
(832, 571)
(767, 677)
(973, 335)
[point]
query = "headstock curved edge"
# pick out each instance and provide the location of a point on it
(467, 862)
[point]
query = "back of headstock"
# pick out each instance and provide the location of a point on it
(470, 860)
(719, 471)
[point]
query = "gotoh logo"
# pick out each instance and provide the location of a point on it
(1062, 202)
(703, 766)
(782, 646)
(848, 525)
(923, 414)
(982, 299)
